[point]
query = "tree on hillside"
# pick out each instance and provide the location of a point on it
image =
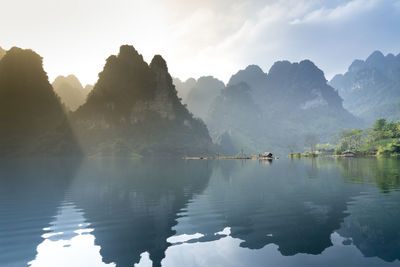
(350, 139)
(383, 129)
(379, 124)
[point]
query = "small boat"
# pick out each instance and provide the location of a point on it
(266, 155)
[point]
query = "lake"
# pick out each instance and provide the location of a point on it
(123, 212)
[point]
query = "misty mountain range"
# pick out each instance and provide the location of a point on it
(138, 109)
(371, 88)
(71, 91)
(199, 94)
(270, 110)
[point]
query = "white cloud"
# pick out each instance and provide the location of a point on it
(338, 13)
(200, 37)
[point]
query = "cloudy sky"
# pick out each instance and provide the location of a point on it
(207, 37)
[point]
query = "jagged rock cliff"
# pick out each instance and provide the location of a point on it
(199, 94)
(2, 52)
(134, 109)
(371, 88)
(291, 101)
(71, 91)
(183, 87)
(32, 120)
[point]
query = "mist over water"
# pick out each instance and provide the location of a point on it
(122, 212)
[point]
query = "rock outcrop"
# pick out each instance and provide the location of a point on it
(2, 52)
(32, 119)
(71, 91)
(134, 109)
(371, 88)
(284, 106)
(201, 93)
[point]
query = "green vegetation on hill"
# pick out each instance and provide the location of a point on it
(32, 119)
(383, 139)
(134, 110)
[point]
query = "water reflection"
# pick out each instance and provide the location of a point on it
(68, 241)
(383, 173)
(372, 225)
(120, 212)
(278, 205)
(30, 192)
(132, 206)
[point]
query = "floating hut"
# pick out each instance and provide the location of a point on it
(348, 153)
(266, 155)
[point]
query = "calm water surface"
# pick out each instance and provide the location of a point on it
(120, 212)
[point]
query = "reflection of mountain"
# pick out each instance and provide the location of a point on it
(30, 194)
(125, 208)
(68, 241)
(384, 173)
(374, 217)
(271, 205)
(373, 225)
(132, 205)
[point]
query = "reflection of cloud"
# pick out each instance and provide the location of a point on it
(78, 251)
(145, 260)
(226, 231)
(227, 252)
(183, 238)
(68, 242)
(68, 223)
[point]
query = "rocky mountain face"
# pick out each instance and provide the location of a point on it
(201, 93)
(87, 89)
(262, 111)
(371, 88)
(71, 91)
(2, 52)
(183, 87)
(32, 119)
(234, 119)
(134, 109)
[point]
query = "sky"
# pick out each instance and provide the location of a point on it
(198, 38)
